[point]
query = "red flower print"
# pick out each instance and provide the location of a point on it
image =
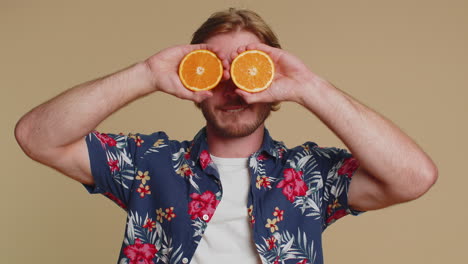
(333, 206)
(187, 154)
(252, 217)
(138, 141)
(140, 253)
(279, 214)
(105, 139)
(115, 199)
(170, 213)
(205, 159)
(271, 242)
(281, 152)
(349, 167)
(292, 184)
(150, 224)
(263, 181)
(113, 165)
(188, 172)
(304, 261)
(185, 170)
(262, 157)
(276, 260)
(143, 190)
(203, 206)
(337, 215)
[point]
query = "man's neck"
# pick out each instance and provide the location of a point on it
(240, 147)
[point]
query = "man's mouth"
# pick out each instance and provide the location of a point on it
(234, 108)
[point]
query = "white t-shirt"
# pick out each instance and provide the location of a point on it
(228, 237)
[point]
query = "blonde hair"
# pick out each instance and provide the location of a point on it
(234, 19)
(237, 19)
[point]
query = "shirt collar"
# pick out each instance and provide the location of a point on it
(200, 146)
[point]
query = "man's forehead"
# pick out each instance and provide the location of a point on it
(230, 41)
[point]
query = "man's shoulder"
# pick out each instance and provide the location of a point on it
(140, 142)
(161, 139)
(310, 148)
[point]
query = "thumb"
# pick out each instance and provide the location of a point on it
(198, 97)
(251, 98)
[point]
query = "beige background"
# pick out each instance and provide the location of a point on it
(406, 59)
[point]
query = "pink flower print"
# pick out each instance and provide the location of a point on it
(150, 224)
(262, 157)
(205, 159)
(203, 206)
(349, 167)
(140, 253)
(292, 184)
(143, 190)
(113, 165)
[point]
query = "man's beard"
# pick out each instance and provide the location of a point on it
(237, 128)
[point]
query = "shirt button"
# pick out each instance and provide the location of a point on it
(205, 217)
(185, 260)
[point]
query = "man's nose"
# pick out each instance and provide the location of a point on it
(229, 89)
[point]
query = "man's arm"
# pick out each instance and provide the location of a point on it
(53, 133)
(393, 168)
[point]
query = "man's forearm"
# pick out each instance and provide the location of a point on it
(74, 113)
(384, 151)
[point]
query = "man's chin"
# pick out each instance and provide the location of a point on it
(234, 131)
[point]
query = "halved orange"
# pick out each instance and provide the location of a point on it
(200, 70)
(252, 71)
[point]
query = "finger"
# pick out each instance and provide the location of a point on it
(241, 49)
(227, 68)
(251, 98)
(234, 55)
(198, 97)
(217, 51)
(189, 48)
(193, 96)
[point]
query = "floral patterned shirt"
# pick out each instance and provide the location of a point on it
(170, 190)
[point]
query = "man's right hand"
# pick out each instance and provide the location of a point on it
(164, 67)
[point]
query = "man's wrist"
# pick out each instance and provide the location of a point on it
(149, 76)
(311, 90)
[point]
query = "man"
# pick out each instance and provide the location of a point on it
(271, 203)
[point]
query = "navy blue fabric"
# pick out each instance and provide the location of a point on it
(170, 190)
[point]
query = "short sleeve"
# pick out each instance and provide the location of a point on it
(113, 159)
(337, 167)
